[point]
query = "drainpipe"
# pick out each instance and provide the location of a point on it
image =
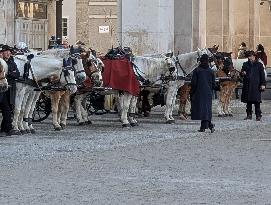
(59, 19)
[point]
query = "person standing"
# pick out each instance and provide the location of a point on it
(261, 54)
(6, 125)
(242, 51)
(13, 72)
(202, 86)
(253, 84)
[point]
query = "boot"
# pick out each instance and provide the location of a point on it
(248, 117)
(258, 118)
(212, 127)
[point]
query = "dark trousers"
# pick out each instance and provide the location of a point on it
(206, 124)
(258, 111)
(6, 124)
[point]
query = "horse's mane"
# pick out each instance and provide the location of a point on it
(58, 53)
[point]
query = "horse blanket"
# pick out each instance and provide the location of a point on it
(119, 75)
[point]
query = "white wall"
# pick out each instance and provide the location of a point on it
(147, 26)
(69, 11)
(7, 22)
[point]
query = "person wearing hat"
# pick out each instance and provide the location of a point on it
(261, 54)
(253, 84)
(13, 72)
(242, 51)
(202, 86)
(6, 125)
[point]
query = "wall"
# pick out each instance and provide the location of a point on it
(69, 11)
(148, 27)
(7, 22)
(90, 15)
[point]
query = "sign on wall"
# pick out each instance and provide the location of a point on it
(104, 29)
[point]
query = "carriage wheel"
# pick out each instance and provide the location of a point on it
(42, 109)
(95, 103)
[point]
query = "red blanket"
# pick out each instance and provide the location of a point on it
(119, 74)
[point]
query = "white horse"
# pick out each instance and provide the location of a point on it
(185, 64)
(3, 80)
(151, 68)
(44, 66)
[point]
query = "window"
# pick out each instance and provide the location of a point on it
(28, 9)
(64, 27)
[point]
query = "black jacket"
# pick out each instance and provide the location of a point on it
(202, 86)
(13, 73)
(252, 82)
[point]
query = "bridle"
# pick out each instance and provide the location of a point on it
(65, 71)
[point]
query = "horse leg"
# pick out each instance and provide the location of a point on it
(169, 97)
(133, 121)
(55, 98)
(21, 115)
(175, 92)
(232, 89)
(226, 105)
(125, 100)
(31, 111)
(78, 105)
(221, 103)
(28, 120)
(170, 100)
(20, 92)
(65, 102)
(84, 110)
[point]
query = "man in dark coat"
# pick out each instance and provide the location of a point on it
(6, 125)
(202, 86)
(253, 84)
(13, 73)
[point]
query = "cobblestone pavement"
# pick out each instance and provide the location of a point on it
(154, 163)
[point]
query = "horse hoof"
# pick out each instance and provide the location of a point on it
(88, 122)
(230, 115)
(23, 132)
(125, 126)
(170, 122)
(63, 126)
(182, 117)
(134, 124)
(58, 128)
(81, 123)
(28, 131)
(32, 131)
(220, 115)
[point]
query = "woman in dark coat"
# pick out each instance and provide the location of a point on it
(253, 84)
(202, 86)
(261, 54)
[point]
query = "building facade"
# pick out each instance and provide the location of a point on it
(32, 22)
(172, 25)
(7, 15)
(69, 21)
(186, 25)
(97, 23)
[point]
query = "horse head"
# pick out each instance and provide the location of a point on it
(67, 76)
(77, 63)
(94, 67)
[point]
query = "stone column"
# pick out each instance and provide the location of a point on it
(51, 10)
